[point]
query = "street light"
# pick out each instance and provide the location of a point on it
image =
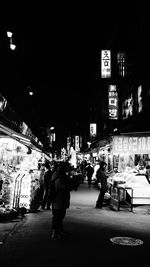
(31, 93)
(9, 35)
(12, 46)
(52, 128)
(88, 143)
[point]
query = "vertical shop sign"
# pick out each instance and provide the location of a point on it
(139, 99)
(105, 64)
(127, 107)
(68, 143)
(25, 191)
(112, 102)
(122, 64)
(93, 131)
(63, 153)
(77, 148)
(80, 141)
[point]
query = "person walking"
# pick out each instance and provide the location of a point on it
(46, 201)
(102, 180)
(89, 170)
(60, 192)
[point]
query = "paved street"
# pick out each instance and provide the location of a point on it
(27, 242)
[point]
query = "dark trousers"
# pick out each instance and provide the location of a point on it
(99, 202)
(89, 179)
(46, 199)
(57, 220)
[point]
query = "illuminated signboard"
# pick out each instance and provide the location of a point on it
(122, 64)
(80, 141)
(105, 64)
(68, 143)
(77, 147)
(112, 102)
(127, 107)
(3, 103)
(25, 191)
(93, 129)
(139, 99)
(131, 144)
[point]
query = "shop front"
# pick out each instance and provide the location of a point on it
(128, 164)
(20, 175)
(131, 153)
(131, 150)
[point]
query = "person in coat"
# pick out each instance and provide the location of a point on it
(89, 170)
(60, 190)
(102, 180)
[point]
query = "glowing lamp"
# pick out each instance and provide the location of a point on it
(12, 46)
(9, 34)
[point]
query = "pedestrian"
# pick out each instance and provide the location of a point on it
(60, 189)
(89, 172)
(102, 181)
(83, 167)
(46, 201)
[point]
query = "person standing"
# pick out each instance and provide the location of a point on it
(46, 201)
(89, 172)
(102, 180)
(61, 199)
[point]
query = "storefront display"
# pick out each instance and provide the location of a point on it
(128, 180)
(19, 174)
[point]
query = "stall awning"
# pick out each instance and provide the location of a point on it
(20, 138)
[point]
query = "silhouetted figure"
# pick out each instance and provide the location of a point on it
(89, 172)
(46, 202)
(102, 180)
(83, 167)
(61, 199)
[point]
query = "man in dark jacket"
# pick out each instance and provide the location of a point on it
(89, 172)
(61, 199)
(102, 180)
(46, 195)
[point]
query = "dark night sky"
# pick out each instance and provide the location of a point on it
(57, 55)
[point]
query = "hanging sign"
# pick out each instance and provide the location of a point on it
(77, 147)
(25, 191)
(112, 102)
(92, 129)
(105, 64)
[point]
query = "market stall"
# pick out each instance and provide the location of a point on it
(130, 188)
(128, 164)
(20, 175)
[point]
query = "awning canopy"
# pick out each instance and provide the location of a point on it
(20, 138)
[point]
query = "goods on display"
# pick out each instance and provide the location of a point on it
(19, 176)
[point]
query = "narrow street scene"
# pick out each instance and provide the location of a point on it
(88, 242)
(75, 134)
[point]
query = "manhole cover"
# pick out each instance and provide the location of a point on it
(126, 241)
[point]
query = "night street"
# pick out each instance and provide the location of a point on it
(88, 244)
(74, 108)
